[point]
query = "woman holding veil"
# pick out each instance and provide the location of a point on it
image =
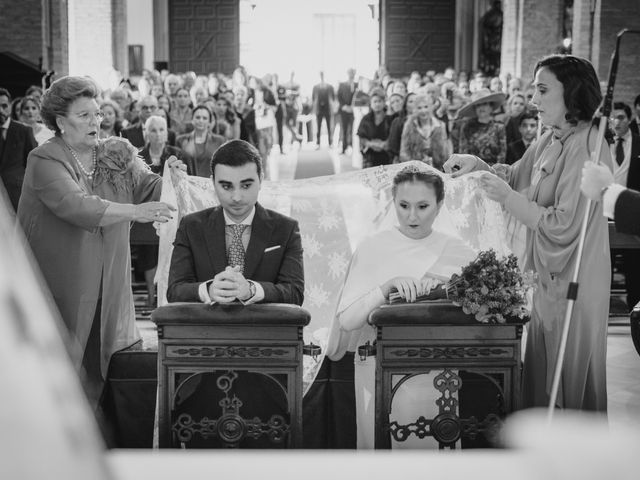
(78, 199)
(542, 190)
(409, 259)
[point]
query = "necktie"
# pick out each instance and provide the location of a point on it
(620, 151)
(235, 252)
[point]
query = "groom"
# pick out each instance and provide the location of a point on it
(238, 251)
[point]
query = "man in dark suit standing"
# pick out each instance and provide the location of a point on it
(147, 106)
(238, 251)
(16, 141)
(323, 97)
(246, 114)
(346, 91)
(528, 129)
(625, 149)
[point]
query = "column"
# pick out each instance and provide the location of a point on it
(540, 32)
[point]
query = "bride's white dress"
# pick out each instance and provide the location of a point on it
(384, 255)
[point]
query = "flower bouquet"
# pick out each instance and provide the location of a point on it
(490, 288)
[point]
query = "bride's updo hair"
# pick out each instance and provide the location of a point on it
(412, 173)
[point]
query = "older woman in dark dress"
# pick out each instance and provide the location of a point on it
(79, 238)
(157, 151)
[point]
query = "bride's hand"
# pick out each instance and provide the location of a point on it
(408, 287)
(427, 284)
(460, 164)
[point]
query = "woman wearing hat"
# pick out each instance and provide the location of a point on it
(480, 134)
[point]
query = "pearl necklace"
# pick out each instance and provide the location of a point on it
(79, 163)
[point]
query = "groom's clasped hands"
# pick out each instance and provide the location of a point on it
(229, 285)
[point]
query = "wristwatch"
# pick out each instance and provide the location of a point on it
(252, 289)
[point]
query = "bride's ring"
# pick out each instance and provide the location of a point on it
(157, 214)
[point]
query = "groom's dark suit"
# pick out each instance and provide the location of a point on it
(273, 257)
(274, 260)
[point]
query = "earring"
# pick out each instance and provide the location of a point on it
(62, 131)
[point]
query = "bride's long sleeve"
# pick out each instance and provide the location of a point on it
(355, 315)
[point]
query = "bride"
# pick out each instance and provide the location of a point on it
(410, 259)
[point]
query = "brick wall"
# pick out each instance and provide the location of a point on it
(510, 51)
(57, 50)
(582, 28)
(541, 32)
(22, 29)
(120, 42)
(80, 36)
(531, 30)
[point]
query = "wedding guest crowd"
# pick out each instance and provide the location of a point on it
(265, 111)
